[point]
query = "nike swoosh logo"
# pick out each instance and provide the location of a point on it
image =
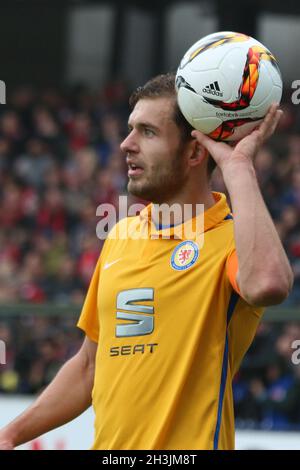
(108, 265)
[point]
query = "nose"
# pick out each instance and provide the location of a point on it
(129, 144)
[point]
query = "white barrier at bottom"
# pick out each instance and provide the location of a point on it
(78, 434)
(267, 440)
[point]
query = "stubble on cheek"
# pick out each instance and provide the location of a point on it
(157, 185)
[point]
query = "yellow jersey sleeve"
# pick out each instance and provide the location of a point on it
(232, 267)
(89, 319)
(245, 319)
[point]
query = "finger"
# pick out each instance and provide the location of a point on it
(273, 124)
(278, 116)
(211, 145)
(268, 121)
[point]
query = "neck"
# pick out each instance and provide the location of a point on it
(186, 205)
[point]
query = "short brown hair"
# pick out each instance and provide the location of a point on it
(164, 86)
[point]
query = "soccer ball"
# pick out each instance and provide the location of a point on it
(226, 83)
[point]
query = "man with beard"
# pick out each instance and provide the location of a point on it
(169, 315)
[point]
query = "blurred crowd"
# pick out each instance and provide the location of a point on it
(59, 160)
(36, 347)
(267, 386)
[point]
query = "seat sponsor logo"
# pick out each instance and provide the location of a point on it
(140, 316)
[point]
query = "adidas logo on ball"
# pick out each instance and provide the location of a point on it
(213, 89)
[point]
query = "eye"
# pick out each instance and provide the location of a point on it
(149, 132)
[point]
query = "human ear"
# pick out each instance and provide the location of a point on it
(197, 153)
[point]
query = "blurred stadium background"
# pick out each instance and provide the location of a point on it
(69, 69)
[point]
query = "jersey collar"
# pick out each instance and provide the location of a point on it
(192, 228)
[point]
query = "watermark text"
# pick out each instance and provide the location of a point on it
(2, 92)
(296, 93)
(2, 352)
(137, 221)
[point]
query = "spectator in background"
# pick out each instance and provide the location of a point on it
(48, 130)
(108, 142)
(33, 166)
(79, 131)
(52, 215)
(292, 195)
(12, 130)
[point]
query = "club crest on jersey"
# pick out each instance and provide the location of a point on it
(184, 255)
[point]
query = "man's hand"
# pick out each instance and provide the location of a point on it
(246, 149)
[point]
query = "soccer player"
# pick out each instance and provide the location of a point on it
(168, 320)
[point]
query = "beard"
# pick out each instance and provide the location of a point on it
(160, 183)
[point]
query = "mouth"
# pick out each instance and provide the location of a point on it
(134, 170)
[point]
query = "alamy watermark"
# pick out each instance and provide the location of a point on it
(2, 92)
(2, 352)
(150, 222)
(296, 94)
(296, 354)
